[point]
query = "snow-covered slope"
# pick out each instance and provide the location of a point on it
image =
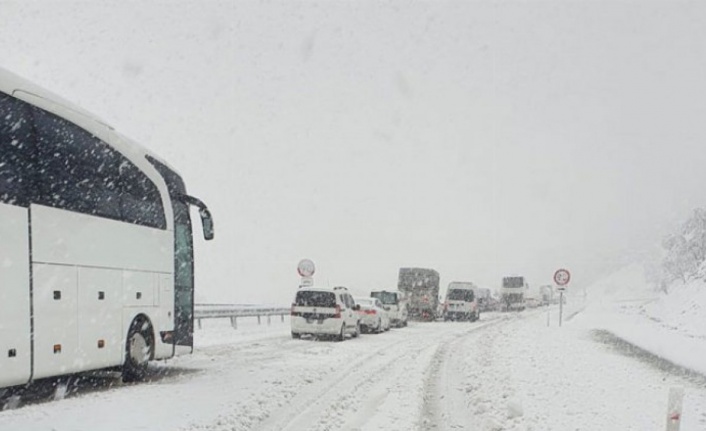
(683, 309)
(668, 325)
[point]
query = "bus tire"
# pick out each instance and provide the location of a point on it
(139, 349)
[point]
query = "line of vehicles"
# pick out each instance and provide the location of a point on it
(334, 312)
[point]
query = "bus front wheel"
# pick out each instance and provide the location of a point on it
(138, 350)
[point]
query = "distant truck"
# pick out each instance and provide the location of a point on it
(484, 298)
(395, 306)
(420, 288)
(512, 293)
(533, 296)
(547, 294)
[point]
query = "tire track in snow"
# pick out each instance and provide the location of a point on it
(380, 383)
(316, 399)
(452, 385)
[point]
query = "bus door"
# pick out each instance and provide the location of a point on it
(183, 276)
(183, 258)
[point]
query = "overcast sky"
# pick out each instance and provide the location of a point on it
(478, 138)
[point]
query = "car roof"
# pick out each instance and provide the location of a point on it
(317, 289)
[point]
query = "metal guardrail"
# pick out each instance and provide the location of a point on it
(234, 311)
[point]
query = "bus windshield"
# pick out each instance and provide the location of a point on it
(513, 282)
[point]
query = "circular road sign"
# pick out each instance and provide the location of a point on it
(306, 268)
(562, 277)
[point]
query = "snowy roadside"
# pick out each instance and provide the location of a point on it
(669, 326)
(507, 372)
(630, 322)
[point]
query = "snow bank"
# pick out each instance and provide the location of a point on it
(683, 309)
(668, 325)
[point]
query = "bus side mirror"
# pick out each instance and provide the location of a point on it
(206, 219)
(206, 223)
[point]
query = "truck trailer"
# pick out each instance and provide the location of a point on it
(420, 287)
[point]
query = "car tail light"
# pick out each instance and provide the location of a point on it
(292, 312)
(338, 312)
(370, 312)
(446, 305)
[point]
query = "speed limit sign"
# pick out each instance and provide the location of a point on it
(562, 277)
(306, 268)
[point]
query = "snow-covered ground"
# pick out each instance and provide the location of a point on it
(506, 372)
(670, 326)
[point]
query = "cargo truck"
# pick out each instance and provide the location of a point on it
(420, 287)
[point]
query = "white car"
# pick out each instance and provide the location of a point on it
(393, 304)
(325, 312)
(373, 316)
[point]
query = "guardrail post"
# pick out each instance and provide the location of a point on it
(283, 318)
(234, 322)
(269, 320)
(258, 319)
(199, 322)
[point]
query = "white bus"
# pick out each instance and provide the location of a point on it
(96, 249)
(512, 293)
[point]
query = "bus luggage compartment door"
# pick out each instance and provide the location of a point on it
(15, 336)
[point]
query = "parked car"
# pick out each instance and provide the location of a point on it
(395, 306)
(325, 312)
(373, 316)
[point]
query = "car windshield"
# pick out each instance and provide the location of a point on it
(364, 302)
(460, 295)
(309, 298)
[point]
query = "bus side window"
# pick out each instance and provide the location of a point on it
(76, 171)
(79, 172)
(17, 143)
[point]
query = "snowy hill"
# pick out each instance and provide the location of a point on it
(682, 309)
(667, 325)
(624, 285)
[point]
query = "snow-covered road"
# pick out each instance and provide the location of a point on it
(506, 372)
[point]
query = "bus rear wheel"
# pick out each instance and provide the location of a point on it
(139, 349)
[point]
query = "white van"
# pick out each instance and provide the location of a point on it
(395, 306)
(461, 302)
(327, 312)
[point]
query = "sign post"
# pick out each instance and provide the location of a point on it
(306, 269)
(561, 278)
(674, 407)
(547, 307)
